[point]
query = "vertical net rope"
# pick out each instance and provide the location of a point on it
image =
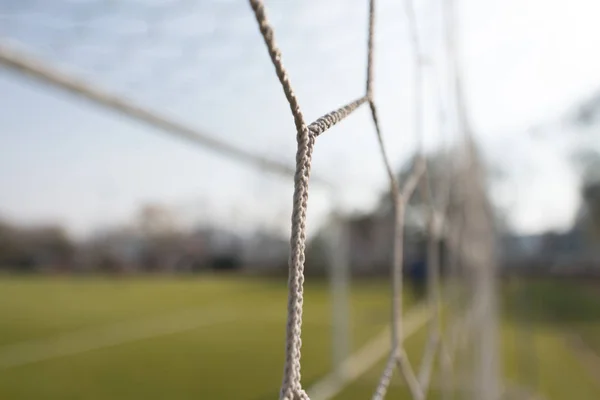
(438, 224)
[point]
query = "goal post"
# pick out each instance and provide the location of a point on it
(339, 278)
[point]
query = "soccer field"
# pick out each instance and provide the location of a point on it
(164, 338)
(212, 338)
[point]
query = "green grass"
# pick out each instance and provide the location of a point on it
(572, 306)
(539, 317)
(535, 354)
(545, 362)
(240, 356)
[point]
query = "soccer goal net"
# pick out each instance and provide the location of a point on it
(434, 221)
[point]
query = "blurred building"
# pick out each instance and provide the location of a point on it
(571, 252)
(34, 248)
(369, 241)
(265, 252)
(111, 250)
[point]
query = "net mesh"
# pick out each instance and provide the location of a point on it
(476, 257)
(461, 301)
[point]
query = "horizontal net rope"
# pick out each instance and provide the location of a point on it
(18, 61)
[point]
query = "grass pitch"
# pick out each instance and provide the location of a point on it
(195, 338)
(223, 338)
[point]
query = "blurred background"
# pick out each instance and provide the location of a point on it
(144, 221)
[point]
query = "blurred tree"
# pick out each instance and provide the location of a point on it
(374, 230)
(441, 167)
(163, 243)
(32, 247)
(9, 248)
(587, 161)
(156, 220)
(587, 113)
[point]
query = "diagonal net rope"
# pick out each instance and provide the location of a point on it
(418, 179)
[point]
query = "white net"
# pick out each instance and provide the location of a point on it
(113, 67)
(476, 258)
(475, 247)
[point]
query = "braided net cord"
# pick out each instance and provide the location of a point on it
(306, 135)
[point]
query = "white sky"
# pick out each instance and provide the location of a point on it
(525, 63)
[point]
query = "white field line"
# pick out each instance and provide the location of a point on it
(361, 361)
(120, 333)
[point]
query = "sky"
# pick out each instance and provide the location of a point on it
(65, 160)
